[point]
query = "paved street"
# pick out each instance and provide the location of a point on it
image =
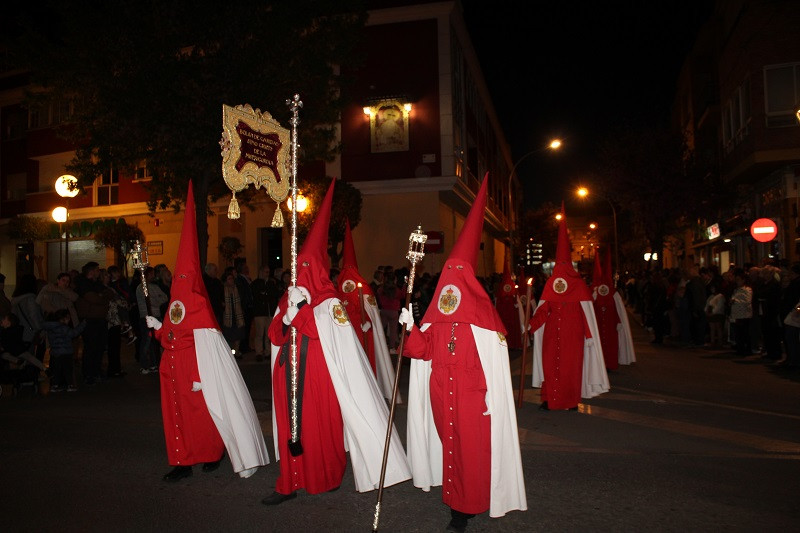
(687, 440)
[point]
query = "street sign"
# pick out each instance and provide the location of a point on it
(435, 242)
(764, 230)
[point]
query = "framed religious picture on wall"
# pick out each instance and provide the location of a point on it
(388, 126)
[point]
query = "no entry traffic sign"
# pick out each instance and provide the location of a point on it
(764, 230)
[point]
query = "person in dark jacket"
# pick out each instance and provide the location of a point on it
(265, 301)
(92, 306)
(60, 335)
(215, 290)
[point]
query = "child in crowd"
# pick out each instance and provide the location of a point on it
(60, 335)
(13, 347)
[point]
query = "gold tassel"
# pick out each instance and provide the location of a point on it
(277, 218)
(233, 208)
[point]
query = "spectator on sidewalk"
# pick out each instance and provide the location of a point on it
(56, 296)
(265, 301)
(742, 312)
(715, 315)
(13, 347)
(23, 304)
(243, 282)
(216, 293)
(390, 300)
(92, 306)
(233, 317)
(60, 335)
(5, 303)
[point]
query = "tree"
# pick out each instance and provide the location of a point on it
(148, 79)
(644, 174)
(118, 236)
(230, 247)
(27, 228)
(346, 206)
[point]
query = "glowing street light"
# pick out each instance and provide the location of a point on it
(302, 203)
(553, 145)
(67, 187)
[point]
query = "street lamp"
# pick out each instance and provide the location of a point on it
(67, 187)
(553, 145)
(583, 192)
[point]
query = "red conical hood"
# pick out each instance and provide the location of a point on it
(189, 306)
(348, 250)
(597, 271)
(563, 248)
(505, 288)
(565, 285)
(469, 240)
(459, 297)
(349, 277)
(601, 279)
(313, 262)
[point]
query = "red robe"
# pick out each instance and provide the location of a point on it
(458, 401)
(190, 432)
(607, 320)
(506, 307)
(321, 466)
(562, 351)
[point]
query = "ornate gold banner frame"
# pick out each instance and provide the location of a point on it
(255, 150)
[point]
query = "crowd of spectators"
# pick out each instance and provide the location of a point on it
(754, 310)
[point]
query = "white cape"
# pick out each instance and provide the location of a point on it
(595, 377)
(364, 410)
(383, 363)
(229, 402)
(624, 338)
(425, 447)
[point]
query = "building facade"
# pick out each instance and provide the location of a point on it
(736, 105)
(417, 139)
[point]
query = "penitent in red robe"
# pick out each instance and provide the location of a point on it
(458, 401)
(190, 432)
(565, 329)
(321, 466)
(506, 304)
(605, 311)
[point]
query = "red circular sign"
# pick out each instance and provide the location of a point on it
(764, 230)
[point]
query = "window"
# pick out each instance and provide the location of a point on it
(16, 186)
(736, 116)
(15, 124)
(142, 172)
(108, 188)
(781, 94)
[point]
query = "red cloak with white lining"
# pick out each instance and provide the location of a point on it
(205, 403)
(567, 357)
(462, 427)
(507, 305)
(364, 310)
(341, 406)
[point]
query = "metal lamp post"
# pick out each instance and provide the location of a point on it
(67, 187)
(583, 192)
(555, 144)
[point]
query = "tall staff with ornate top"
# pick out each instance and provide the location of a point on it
(416, 251)
(294, 104)
(140, 262)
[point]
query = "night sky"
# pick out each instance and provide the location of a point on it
(577, 70)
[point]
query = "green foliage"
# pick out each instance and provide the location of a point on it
(230, 247)
(118, 237)
(148, 80)
(27, 228)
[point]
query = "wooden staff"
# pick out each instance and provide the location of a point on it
(525, 338)
(416, 246)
